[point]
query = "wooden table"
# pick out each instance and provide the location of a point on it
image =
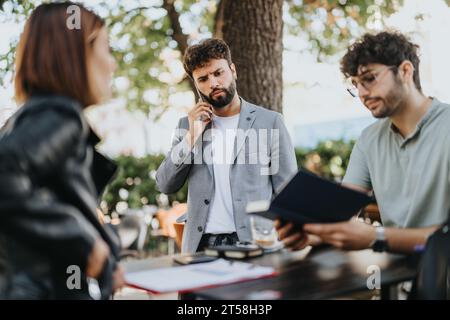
(325, 273)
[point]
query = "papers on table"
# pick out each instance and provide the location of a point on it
(196, 276)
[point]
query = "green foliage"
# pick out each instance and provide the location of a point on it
(16, 11)
(137, 175)
(18, 7)
(145, 47)
(145, 44)
(329, 25)
(138, 38)
(135, 182)
(328, 159)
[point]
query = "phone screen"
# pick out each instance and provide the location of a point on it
(200, 97)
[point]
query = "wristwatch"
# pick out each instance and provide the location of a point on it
(380, 244)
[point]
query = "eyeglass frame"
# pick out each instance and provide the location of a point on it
(354, 91)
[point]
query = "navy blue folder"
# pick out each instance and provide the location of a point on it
(307, 198)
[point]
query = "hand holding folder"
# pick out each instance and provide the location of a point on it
(307, 198)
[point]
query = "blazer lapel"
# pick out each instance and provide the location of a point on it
(246, 120)
(208, 147)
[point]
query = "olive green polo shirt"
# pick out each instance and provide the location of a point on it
(410, 176)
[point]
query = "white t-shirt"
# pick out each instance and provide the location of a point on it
(223, 134)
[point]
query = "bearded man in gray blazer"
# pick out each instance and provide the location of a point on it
(230, 151)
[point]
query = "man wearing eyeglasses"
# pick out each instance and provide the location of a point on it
(404, 158)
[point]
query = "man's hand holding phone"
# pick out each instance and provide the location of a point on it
(199, 117)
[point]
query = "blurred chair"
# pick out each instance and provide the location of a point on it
(168, 220)
(132, 231)
(179, 228)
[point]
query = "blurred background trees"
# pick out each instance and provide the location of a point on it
(149, 39)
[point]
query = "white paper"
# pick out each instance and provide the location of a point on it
(184, 278)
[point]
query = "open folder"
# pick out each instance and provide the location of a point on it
(196, 276)
(307, 198)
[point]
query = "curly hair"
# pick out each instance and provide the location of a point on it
(388, 48)
(198, 55)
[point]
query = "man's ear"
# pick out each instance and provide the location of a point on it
(233, 70)
(406, 70)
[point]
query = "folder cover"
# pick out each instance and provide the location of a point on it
(307, 198)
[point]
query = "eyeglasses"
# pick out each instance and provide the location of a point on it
(368, 80)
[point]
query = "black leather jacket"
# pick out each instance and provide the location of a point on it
(51, 178)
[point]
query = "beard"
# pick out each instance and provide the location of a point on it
(223, 100)
(389, 104)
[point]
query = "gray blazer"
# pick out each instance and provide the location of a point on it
(250, 179)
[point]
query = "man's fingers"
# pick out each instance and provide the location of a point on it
(202, 116)
(337, 236)
(198, 112)
(205, 114)
(203, 105)
(204, 108)
(304, 241)
(314, 240)
(336, 239)
(317, 229)
(285, 230)
(277, 224)
(292, 240)
(337, 244)
(321, 229)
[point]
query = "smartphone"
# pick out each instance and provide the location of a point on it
(200, 98)
(191, 259)
(202, 118)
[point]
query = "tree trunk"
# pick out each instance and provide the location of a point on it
(254, 31)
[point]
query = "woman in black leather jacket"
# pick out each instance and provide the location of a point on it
(52, 246)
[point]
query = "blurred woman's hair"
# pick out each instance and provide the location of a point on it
(52, 57)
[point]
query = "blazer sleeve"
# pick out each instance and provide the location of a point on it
(283, 164)
(174, 170)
